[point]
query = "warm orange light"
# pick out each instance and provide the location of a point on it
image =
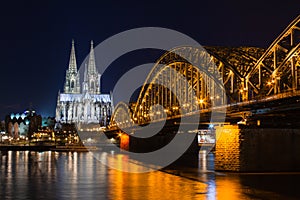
(124, 142)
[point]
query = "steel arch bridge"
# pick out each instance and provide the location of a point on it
(230, 76)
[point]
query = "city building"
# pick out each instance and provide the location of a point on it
(24, 124)
(82, 102)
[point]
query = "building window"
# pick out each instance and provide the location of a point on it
(72, 84)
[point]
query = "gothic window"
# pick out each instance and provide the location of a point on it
(92, 85)
(72, 84)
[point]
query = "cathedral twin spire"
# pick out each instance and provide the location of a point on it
(92, 63)
(72, 62)
(81, 101)
(91, 82)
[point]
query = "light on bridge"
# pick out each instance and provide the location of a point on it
(243, 90)
(269, 83)
(185, 105)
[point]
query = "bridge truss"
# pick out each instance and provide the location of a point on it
(229, 75)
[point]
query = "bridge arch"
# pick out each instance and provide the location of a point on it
(277, 70)
(121, 116)
(205, 75)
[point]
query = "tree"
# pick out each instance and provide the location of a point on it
(34, 124)
(10, 128)
(16, 130)
(2, 126)
(7, 120)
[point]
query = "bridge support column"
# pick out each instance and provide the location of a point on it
(227, 156)
(257, 149)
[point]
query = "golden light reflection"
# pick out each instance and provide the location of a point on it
(153, 185)
(228, 187)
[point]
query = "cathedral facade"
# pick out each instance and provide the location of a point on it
(82, 102)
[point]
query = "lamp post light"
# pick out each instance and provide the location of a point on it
(201, 102)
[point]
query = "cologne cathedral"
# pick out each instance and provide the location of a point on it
(82, 102)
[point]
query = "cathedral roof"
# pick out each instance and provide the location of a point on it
(78, 97)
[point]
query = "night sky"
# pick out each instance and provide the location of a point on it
(36, 37)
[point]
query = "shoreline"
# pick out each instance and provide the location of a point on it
(41, 148)
(54, 148)
(26, 148)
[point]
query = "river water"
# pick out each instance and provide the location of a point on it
(53, 175)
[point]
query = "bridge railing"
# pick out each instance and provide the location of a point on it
(287, 94)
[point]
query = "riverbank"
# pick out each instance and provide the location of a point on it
(26, 147)
(67, 148)
(58, 148)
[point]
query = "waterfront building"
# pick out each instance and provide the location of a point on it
(20, 124)
(82, 102)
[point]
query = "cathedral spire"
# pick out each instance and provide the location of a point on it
(92, 63)
(72, 62)
(91, 75)
(72, 84)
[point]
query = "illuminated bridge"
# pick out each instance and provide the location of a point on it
(245, 81)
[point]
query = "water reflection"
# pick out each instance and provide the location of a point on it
(153, 185)
(50, 175)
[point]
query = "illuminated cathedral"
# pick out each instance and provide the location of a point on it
(82, 102)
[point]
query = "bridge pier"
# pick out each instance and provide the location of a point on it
(243, 149)
(189, 158)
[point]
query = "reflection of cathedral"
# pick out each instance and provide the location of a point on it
(83, 104)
